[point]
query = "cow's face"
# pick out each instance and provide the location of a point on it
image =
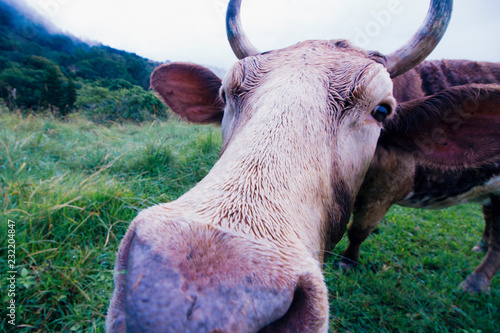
(242, 251)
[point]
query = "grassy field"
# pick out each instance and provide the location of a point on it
(73, 187)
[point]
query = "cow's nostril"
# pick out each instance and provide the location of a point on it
(300, 316)
(290, 321)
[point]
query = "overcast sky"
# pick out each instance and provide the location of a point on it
(194, 30)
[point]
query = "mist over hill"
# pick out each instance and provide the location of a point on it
(22, 37)
(42, 69)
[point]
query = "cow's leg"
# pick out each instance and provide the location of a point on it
(488, 220)
(364, 220)
(479, 281)
(388, 181)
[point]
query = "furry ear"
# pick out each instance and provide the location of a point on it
(189, 90)
(459, 126)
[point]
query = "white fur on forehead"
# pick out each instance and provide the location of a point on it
(342, 66)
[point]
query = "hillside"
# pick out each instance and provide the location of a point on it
(42, 70)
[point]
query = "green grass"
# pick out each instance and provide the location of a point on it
(73, 187)
(408, 281)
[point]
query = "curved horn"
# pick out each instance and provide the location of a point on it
(398, 62)
(239, 42)
(424, 41)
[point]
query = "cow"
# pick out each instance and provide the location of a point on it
(396, 176)
(242, 251)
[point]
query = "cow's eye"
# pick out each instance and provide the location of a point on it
(223, 96)
(381, 112)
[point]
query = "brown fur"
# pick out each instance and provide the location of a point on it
(466, 116)
(460, 122)
(431, 77)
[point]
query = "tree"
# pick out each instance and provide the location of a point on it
(26, 82)
(53, 88)
(69, 98)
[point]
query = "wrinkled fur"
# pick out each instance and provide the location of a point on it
(297, 139)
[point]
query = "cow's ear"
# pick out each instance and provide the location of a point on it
(459, 126)
(189, 90)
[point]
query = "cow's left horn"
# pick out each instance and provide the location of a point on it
(239, 42)
(424, 41)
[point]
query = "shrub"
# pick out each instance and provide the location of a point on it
(104, 105)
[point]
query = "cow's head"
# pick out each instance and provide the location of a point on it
(242, 251)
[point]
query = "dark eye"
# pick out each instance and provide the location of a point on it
(223, 96)
(381, 112)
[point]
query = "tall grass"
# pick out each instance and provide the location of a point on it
(73, 187)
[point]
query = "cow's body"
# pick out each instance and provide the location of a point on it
(431, 77)
(243, 250)
(396, 177)
(436, 188)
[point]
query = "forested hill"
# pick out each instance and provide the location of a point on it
(44, 70)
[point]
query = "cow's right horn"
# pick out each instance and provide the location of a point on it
(237, 39)
(424, 41)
